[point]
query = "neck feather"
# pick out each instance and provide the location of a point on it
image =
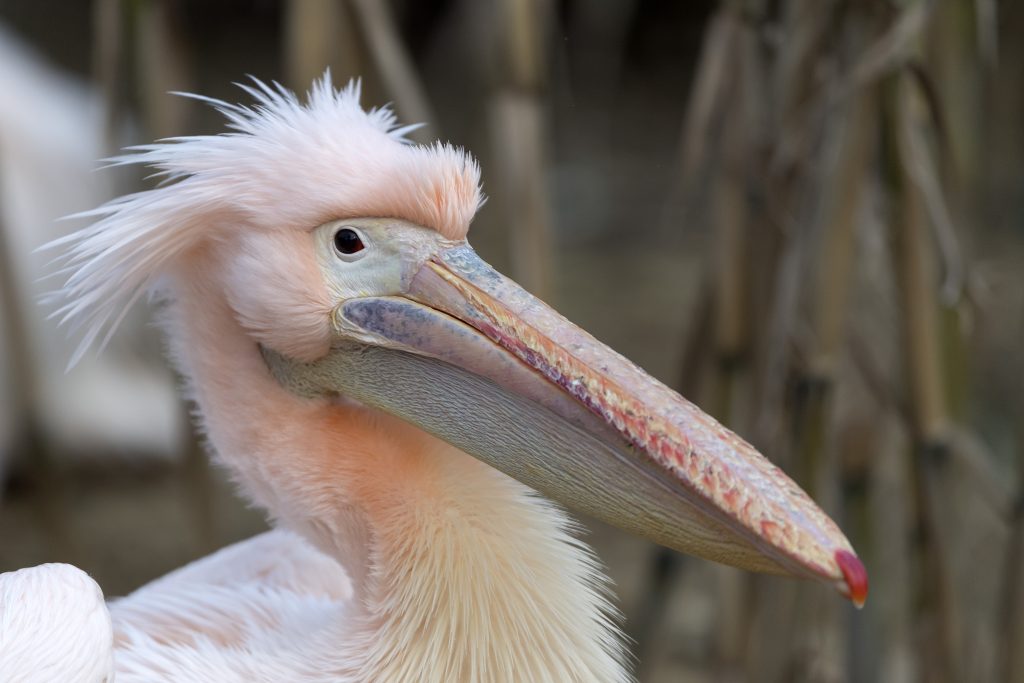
(463, 574)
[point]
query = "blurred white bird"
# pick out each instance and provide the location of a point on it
(123, 402)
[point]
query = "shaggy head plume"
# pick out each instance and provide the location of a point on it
(284, 165)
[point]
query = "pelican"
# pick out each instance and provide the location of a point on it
(411, 420)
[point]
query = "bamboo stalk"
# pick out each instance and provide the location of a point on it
(731, 218)
(952, 49)
(991, 489)
(707, 94)
(320, 34)
(107, 61)
(839, 218)
(840, 213)
(1010, 625)
(808, 644)
(915, 270)
(162, 67)
(1010, 654)
(29, 438)
(23, 387)
(519, 132)
(890, 51)
(954, 192)
(698, 342)
(395, 67)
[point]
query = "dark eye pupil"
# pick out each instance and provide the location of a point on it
(347, 241)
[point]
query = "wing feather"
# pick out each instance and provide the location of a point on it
(261, 609)
(54, 626)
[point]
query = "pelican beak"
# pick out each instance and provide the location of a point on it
(468, 355)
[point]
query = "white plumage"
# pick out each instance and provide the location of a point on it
(54, 626)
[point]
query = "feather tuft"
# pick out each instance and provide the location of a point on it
(283, 164)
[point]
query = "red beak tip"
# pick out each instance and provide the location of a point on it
(855, 575)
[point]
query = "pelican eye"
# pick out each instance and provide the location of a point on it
(348, 243)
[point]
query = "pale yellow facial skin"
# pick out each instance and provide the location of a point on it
(394, 251)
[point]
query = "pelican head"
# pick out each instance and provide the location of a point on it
(340, 250)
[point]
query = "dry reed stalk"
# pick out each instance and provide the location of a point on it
(955, 60)
(519, 134)
(922, 210)
(813, 411)
(714, 67)
(1010, 654)
(811, 644)
(783, 98)
(969, 454)
(23, 385)
(840, 211)
(162, 67)
(922, 171)
(731, 332)
(108, 61)
(394, 66)
(730, 218)
(518, 129)
(797, 80)
(698, 344)
(954, 82)
(890, 51)
(917, 280)
(1010, 625)
(320, 34)
(30, 441)
(986, 23)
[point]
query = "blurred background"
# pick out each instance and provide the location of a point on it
(813, 211)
